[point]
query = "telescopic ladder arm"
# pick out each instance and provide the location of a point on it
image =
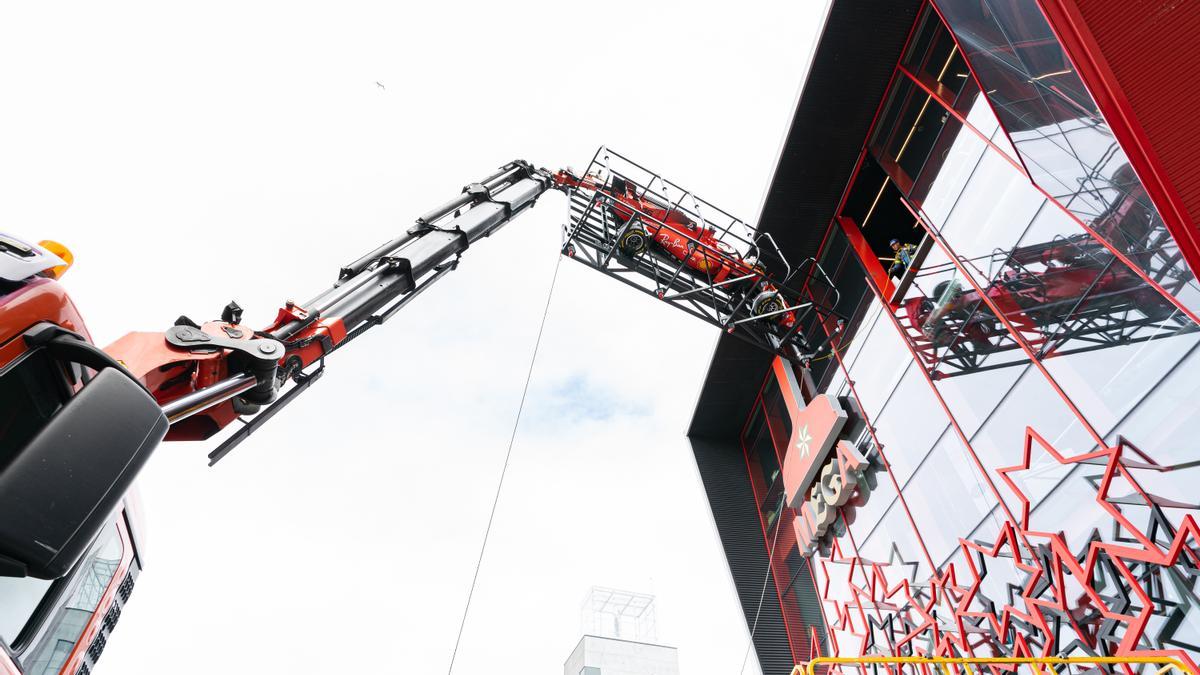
(208, 376)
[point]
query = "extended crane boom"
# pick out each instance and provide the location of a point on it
(404, 264)
(206, 376)
(625, 222)
(97, 415)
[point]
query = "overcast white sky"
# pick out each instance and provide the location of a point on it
(195, 153)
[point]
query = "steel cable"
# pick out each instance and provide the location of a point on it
(762, 595)
(504, 469)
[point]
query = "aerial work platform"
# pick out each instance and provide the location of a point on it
(635, 226)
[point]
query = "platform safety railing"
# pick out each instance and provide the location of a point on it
(934, 665)
(732, 276)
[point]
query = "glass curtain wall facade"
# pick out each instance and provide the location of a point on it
(1029, 377)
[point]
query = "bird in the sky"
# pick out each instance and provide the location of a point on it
(380, 85)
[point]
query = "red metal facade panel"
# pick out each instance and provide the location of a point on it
(1138, 59)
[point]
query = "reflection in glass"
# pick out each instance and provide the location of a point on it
(68, 620)
(895, 542)
(1057, 129)
(951, 327)
(993, 210)
(1057, 287)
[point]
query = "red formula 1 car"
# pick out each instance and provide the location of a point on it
(645, 224)
(1077, 279)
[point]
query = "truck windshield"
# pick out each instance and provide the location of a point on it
(49, 616)
(82, 591)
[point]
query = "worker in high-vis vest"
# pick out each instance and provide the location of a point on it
(904, 258)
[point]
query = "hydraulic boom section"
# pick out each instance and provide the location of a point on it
(625, 221)
(207, 376)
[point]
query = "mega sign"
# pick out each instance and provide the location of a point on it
(841, 478)
(821, 469)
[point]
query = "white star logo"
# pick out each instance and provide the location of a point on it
(804, 439)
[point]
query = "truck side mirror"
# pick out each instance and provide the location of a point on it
(63, 484)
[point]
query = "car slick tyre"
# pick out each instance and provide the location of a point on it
(633, 241)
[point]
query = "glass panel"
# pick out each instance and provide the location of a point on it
(950, 326)
(1075, 295)
(1000, 442)
(861, 517)
(868, 324)
(938, 191)
(1059, 289)
(1158, 459)
(855, 300)
(973, 399)
(994, 209)
(930, 45)
(999, 137)
(880, 362)
(999, 575)
(909, 424)
(799, 597)
(776, 519)
(947, 496)
(981, 117)
(1160, 431)
(895, 542)
(778, 419)
(934, 58)
(937, 157)
(834, 262)
(836, 384)
(764, 466)
(1164, 425)
(920, 138)
(69, 618)
(1065, 142)
(832, 583)
(1107, 383)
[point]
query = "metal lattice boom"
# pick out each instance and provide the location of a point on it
(635, 226)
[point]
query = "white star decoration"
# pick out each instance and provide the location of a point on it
(804, 439)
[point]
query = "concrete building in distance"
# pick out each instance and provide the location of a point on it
(619, 637)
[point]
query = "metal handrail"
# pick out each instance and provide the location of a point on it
(940, 661)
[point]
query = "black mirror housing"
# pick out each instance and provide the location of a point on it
(62, 487)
